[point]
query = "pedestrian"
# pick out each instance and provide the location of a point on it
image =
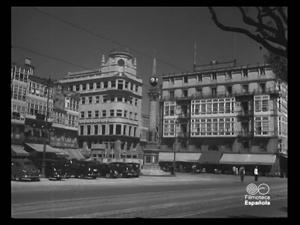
(233, 170)
(242, 173)
(256, 173)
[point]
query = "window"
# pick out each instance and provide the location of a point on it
(90, 99)
(88, 129)
(245, 72)
(103, 129)
(185, 79)
(120, 84)
(199, 91)
(221, 126)
(89, 114)
(227, 126)
(97, 99)
(169, 127)
(245, 88)
(77, 87)
(91, 86)
(130, 115)
(105, 84)
(172, 80)
(135, 102)
(119, 99)
(214, 91)
(81, 114)
(229, 75)
(262, 71)
(169, 108)
(261, 103)
(135, 116)
(208, 108)
(95, 129)
(119, 112)
(124, 129)
(81, 130)
(98, 85)
(83, 100)
(112, 99)
(221, 107)
(83, 87)
(185, 93)
(136, 88)
(112, 112)
(125, 113)
(126, 84)
(103, 113)
(199, 77)
(111, 129)
(131, 86)
(172, 94)
(229, 90)
(227, 107)
(262, 87)
(105, 98)
(97, 114)
(214, 76)
(215, 108)
(215, 126)
(118, 129)
(208, 126)
(113, 84)
(134, 131)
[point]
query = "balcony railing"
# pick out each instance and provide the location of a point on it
(222, 94)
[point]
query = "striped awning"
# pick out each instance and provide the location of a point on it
(248, 159)
(18, 150)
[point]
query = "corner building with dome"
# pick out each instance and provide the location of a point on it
(110, 108)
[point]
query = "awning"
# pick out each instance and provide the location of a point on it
(187, 157)
(210, 157)
(73, 153)
(179, 156)
(165, 156)
(40, 148)
(250, 159)
(18, 150)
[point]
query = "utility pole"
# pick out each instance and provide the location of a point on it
(46, 129)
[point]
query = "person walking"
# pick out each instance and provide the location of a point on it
(256, 173)
(242, 173)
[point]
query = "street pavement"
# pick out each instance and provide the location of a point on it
(182, 196)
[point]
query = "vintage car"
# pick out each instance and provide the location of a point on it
(54, 168)
(24, 169)
(123, 169)
(85, 169)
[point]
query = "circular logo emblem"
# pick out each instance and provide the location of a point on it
(263, 189)
(252, 189)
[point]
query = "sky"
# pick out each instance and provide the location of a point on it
(78, 38)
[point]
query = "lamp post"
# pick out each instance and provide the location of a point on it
(46, 129)
(177, 112)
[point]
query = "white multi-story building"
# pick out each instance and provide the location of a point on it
(230, 109)
(110, 106)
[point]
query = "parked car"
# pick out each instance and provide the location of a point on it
(108, 170)
(86, 169)
(123, 169)
(54, 168)
(24, 169)
(135, 167)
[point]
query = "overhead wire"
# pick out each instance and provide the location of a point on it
(103, 37)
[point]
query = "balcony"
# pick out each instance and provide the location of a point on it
(223, 94)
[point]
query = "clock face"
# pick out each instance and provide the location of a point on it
(121, 62)
(153, 81)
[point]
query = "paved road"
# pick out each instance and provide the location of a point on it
(183, 196)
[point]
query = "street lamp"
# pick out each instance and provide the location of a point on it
(46, 129)
(177, 112)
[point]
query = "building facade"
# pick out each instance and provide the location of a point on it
(110, 106)
(225, 108)
(32, 97)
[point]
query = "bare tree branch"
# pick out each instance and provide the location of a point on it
(283, 15)
(279, 50)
